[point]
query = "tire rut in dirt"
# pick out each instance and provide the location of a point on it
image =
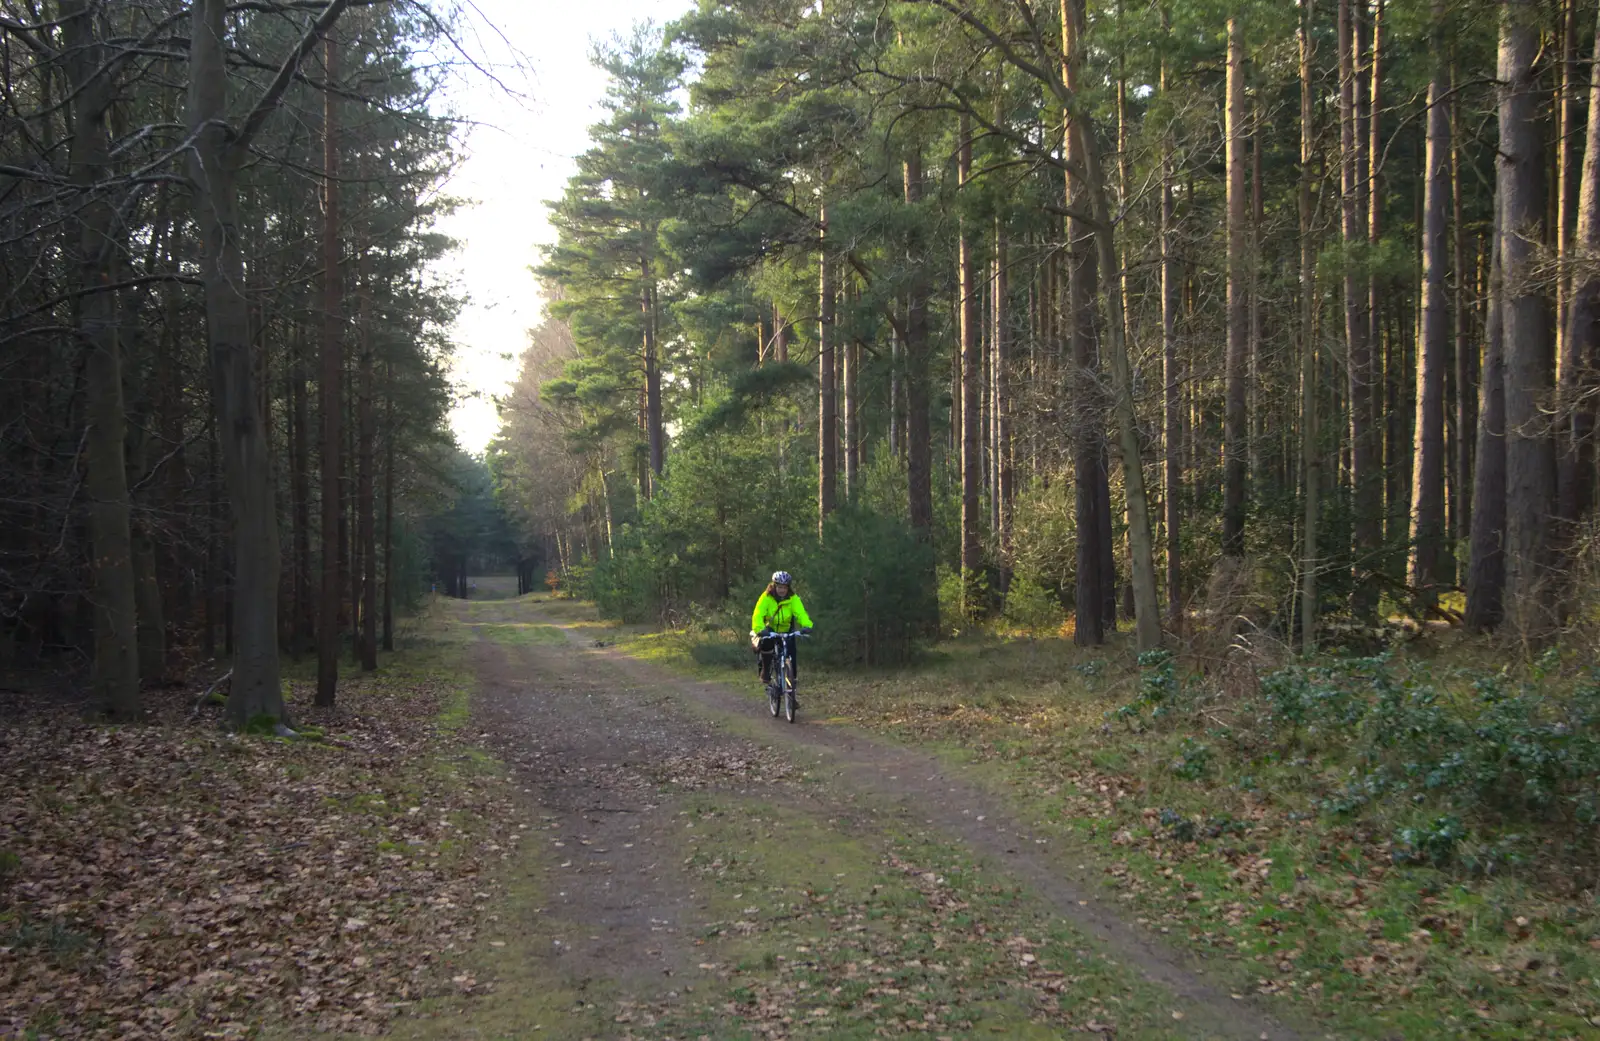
(918, 788)
(603, 768)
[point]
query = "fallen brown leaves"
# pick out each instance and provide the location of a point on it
(708, 768)
(172, 880)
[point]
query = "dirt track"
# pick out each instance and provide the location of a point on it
(606, 746)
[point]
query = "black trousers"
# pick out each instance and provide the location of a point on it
(768, 652)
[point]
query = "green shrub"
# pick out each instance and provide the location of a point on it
(1032, 608)
(947, 596)
(1434, 843)
(1160, 690)
(1194, 760)
(1500, 751)
(1045, 538)
(867, 585)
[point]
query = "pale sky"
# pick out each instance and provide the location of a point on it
(520, 155)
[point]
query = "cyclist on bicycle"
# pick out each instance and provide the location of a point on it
(778, 611)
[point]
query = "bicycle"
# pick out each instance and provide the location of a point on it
(781, 681)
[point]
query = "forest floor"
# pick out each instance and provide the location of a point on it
(531, 824)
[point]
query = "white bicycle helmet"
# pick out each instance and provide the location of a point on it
(782, 578)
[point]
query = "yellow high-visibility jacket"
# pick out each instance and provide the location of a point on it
(780, 616)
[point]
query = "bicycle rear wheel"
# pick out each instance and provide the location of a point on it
(774, 697)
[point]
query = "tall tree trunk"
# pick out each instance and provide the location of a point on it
(177, 578)
(1566, 131)
(654, 431)
(1141, 545)
(151, 618)
(152, 621)
(1258, 389)
(329, 397)
(1365, 474)
(851, 355)
(827, 393)
(1530, 456)
(1088, 629)
(215, 157)
(1123, 315)
(1102, 497)
(1310, 433)
(1004, 454)
(1486, 570)
(1384, 417)
(1427, 470)
(919, 447)
(390, 437)
(971, 367)
(897, 442)
(116, 655)
(211, 569)
(305, 611)
(1235, 423)
(1581, 343)
(1466, 353)
(349, 544)
(152, 630)
(365, 522)
(1172, 401)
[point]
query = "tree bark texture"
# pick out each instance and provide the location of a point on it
(116, 654)
(303, 619)
(1427, 470)
(1366, 477)
(1576, 416)
(215, 158)
(1566, 133)
(1530, 455)
(1140, 540)
(1235, 424)
(971, 388)
(1310, 434)
(851, 356)
(918, 389)
(1466, 352)
(329, 393)
(654, 431)
(1172, 401)
(366, 528)
(1087, 422)
(391, 435)
(1000, 368)
(1486, 568)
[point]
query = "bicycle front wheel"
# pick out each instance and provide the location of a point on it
(791, 700)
